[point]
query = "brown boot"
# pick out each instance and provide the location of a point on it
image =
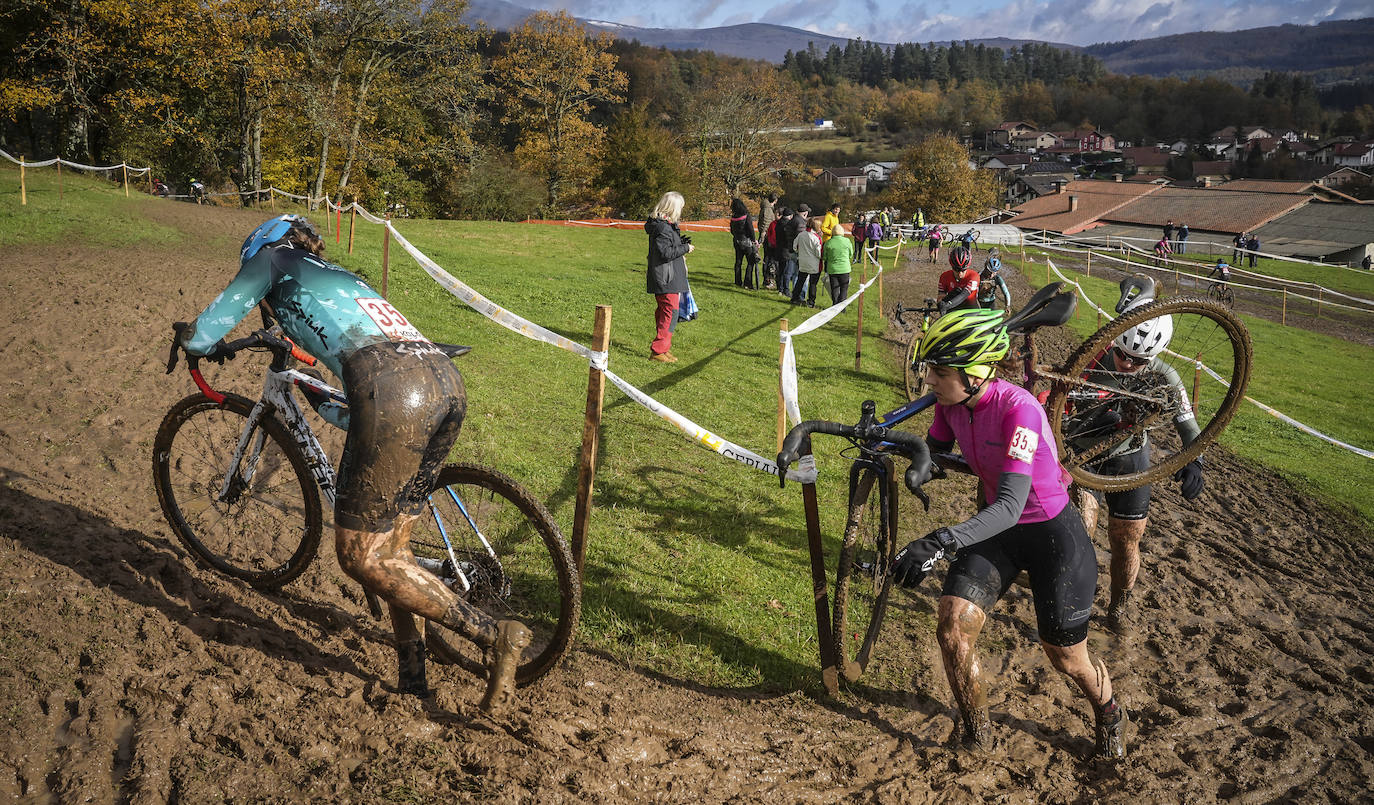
(662, 357)
(511, 639)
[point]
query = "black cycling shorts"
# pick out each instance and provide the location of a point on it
(1133, 504)
(1059, 558)
(406, 403)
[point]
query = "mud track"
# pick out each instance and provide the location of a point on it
(129, 675)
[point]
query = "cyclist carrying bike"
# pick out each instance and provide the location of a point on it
(990, 281)
(958, 285)
(1029, 524)
(1133, 363)
(933, 238)
(407, 404)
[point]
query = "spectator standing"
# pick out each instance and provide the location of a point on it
(1182, 238)
(860, 232)
(875, 236)
(667, 274)
(836, 257)
(1367, 263)
(746, 245)
(808, 248)
(770, 261)
(1169, 232)
(829, 222)
(1253, 243)
(784, 236)
(1236, 246)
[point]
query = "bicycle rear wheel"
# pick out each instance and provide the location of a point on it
(1203, 372)
(915, 384)
(513, 560)
(863, 578)
(263, 525)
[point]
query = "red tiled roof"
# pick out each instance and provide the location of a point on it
(1095, 200)
(1146, 156)
(1208, 208)
(1353, 149)
(1266, 185)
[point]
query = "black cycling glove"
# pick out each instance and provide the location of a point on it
(219, 353)
(917, 559)
(1190, 476)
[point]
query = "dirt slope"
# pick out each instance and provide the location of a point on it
(128, 675)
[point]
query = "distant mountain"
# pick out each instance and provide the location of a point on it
(754, 40)
(1347, 45)
(1331, 51)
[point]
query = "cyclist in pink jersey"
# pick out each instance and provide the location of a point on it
(1028, 524)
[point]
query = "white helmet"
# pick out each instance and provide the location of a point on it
(1148, 338)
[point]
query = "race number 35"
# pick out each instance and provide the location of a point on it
(389, 319)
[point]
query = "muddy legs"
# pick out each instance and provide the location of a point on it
(1124, 536)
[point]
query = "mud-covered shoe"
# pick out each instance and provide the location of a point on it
(1111, 733)
(410, 669)
(511, 639)
(977, 730)
(1121, 614)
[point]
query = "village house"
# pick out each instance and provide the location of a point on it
(848, 180)
(1034, 141)
(1005, 132)
(1354, 155)
(1085, 140)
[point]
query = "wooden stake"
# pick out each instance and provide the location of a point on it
(820, 585)
(1090, 263)
(352, 214)
(23, 190)
(1023, 249)
(338, 225)
(1283, 317)
(859, 329)
(59, 179)
(782, 410)
(386, 252)
(124, 166)
(1197, 376)
(1319, 301)
(591, 437)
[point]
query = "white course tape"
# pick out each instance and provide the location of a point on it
(789, 357)
(804, 473)
(1204, 367)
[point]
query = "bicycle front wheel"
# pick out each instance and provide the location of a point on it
(1097, 411)
(511, 562)
(915, 383)
(254, 516)
(863, 578)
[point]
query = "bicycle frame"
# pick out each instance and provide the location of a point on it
(277, 400)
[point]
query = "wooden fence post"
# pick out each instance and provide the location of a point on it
(1090, 263)
(782, 410)
(591, 437)
(1197, 375)
(386, 252)
(338, 224)
(352, 214)
(124, 166)
(1319, 301)
(1023, 249)
(1283, 316)
(23, 190)
(59, 179)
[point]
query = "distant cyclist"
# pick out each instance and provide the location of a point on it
(197, 191)
(1028, 524)
(933, 238)
(1220, 272)
(959, 284)
(990, 281)
(407, 403)
(1133, 362)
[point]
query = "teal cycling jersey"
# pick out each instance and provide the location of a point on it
(326, 309)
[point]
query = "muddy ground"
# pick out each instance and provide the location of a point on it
(128, 675)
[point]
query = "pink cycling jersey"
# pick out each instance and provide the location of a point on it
(1007, 432)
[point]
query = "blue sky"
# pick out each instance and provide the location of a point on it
(1075, 22)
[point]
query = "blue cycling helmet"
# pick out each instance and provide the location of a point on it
(993, 265)
(272, 232)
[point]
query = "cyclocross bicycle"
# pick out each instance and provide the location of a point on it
(240, 482)
(915, 384)
(1221, 292)
(1077, 397)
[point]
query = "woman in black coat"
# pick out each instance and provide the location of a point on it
(746, 247)
(667, 275)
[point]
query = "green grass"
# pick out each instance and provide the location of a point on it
(76, 207)
(1315, 379)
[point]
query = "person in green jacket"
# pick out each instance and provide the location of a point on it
(836, 256)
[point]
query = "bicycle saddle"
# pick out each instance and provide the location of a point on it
(453, 350)
(1136, 290)
(1051, 306)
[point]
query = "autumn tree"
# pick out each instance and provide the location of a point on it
(733, 127)
(935, 176)
(641, 162)
(553, 74)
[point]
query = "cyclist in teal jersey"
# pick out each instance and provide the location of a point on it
(990, 280)
(407, 405)
(1028, 524)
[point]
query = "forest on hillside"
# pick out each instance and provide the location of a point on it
(401, 105)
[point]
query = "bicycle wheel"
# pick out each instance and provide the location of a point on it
(915, 383)
(263, 525)
(1097, 411)
(863, 577)
(513, 560)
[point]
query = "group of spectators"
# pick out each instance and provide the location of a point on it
(796, 248)
(1243, 242)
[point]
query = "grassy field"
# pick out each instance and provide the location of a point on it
(1310, 377)
(696, 565)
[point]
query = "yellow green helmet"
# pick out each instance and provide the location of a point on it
(965, 339)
